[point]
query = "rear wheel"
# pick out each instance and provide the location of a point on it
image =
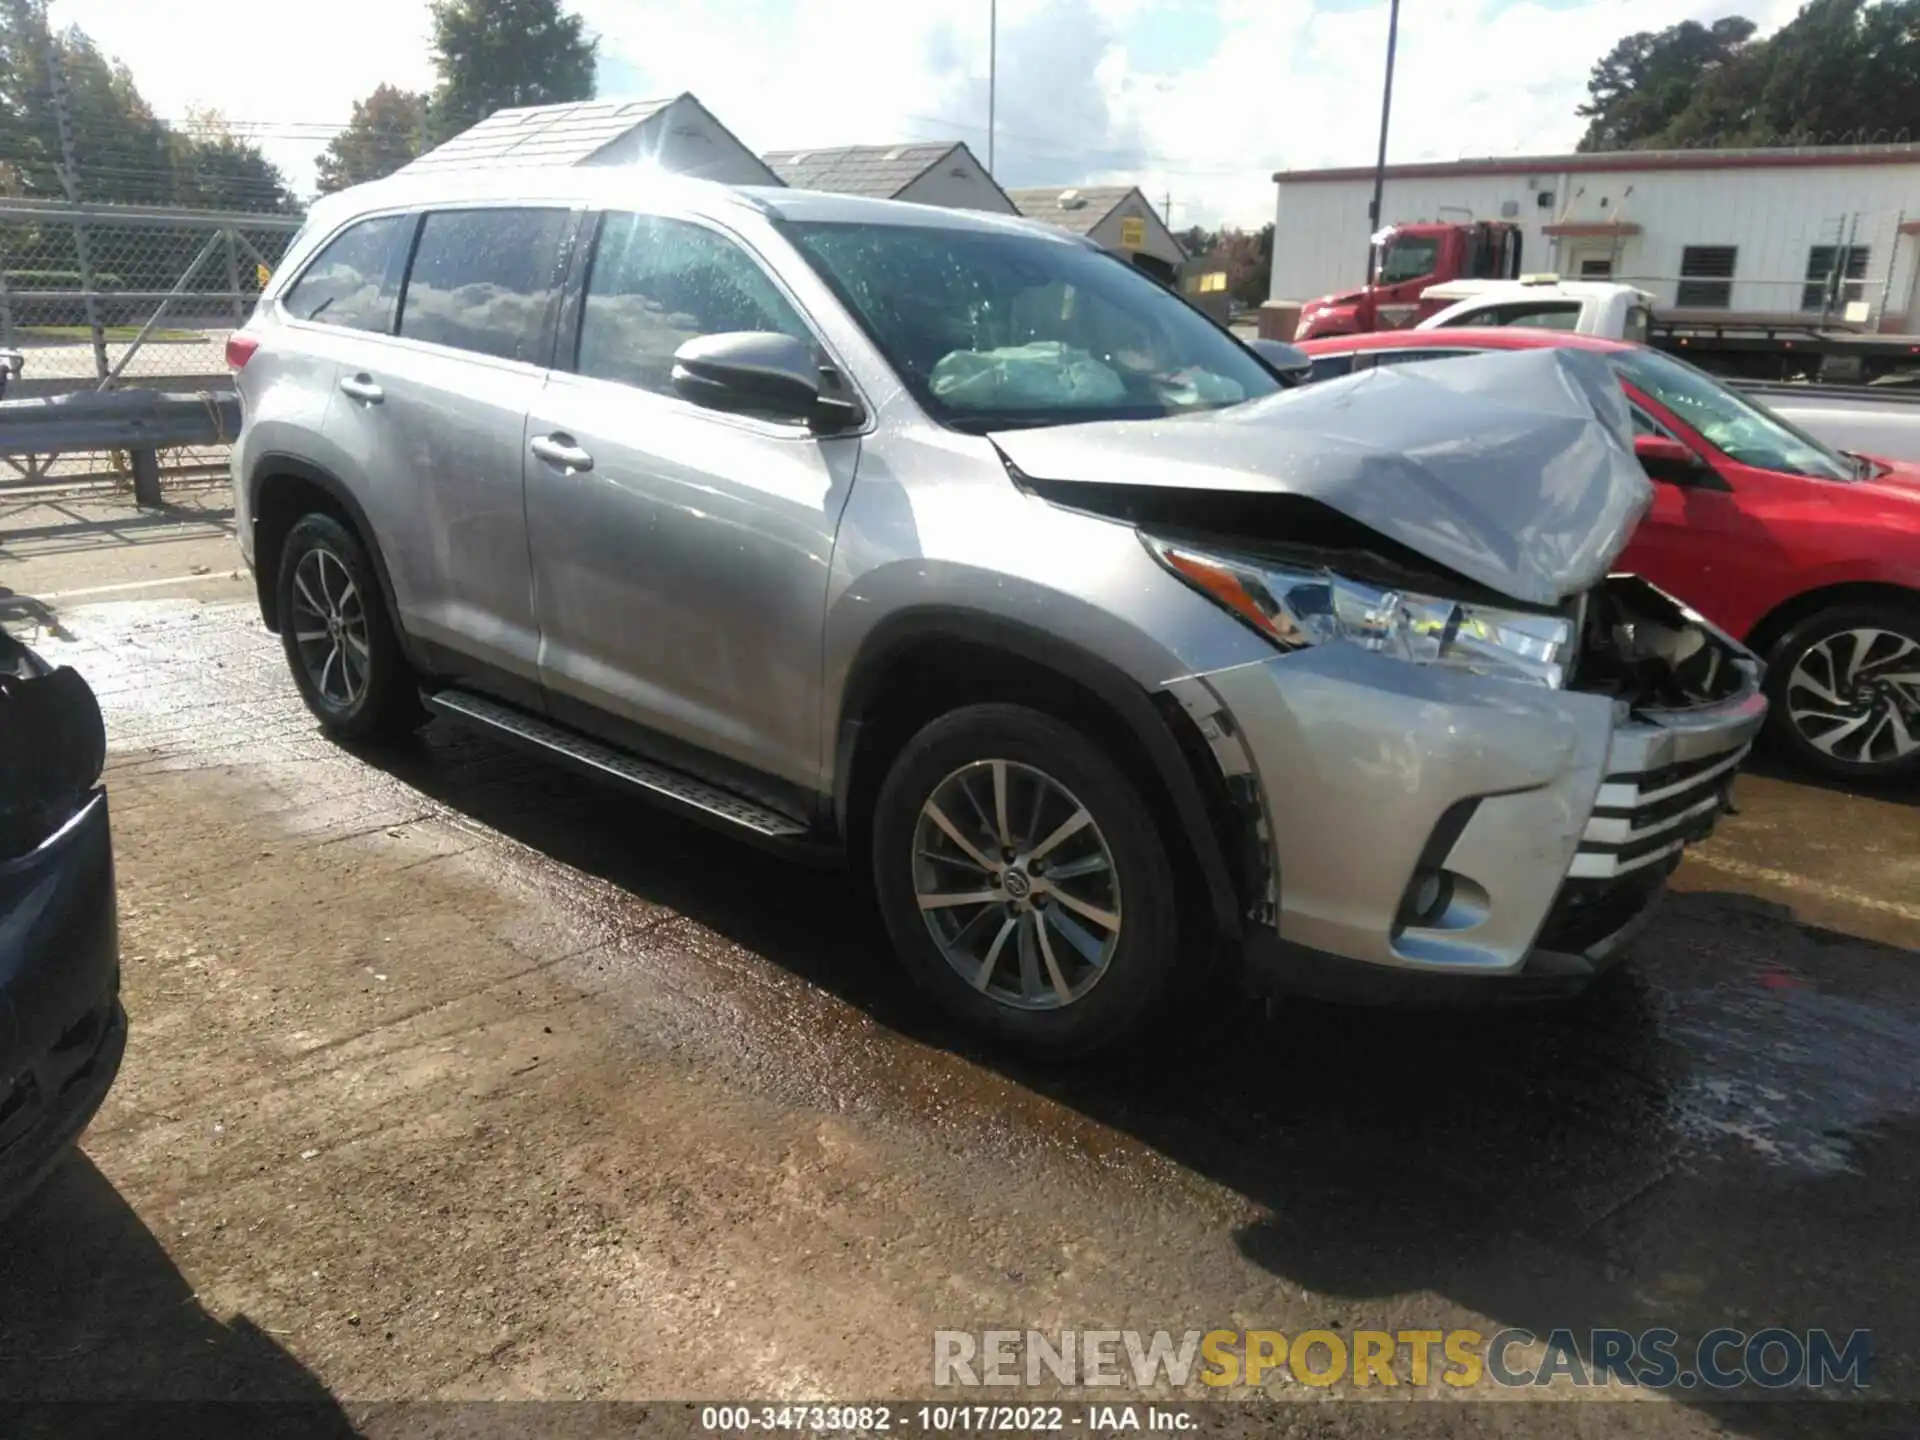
(1845, 689)
(1024, 883)
(340, 645)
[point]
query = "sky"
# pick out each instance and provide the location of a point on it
(1197, 100)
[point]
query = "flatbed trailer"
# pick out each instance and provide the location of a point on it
(1759, 349)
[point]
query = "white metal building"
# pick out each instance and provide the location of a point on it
(1709, 232)
(680, 135)
(942, 172)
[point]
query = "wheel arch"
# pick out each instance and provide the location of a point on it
(1772, 627)
(282, 488)
(922, 662)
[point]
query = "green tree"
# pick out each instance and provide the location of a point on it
(494, 54)
(1641, 86)
(120, 148)
(214, 169)
(386, 131)
(1840, 70)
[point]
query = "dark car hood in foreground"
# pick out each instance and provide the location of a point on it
(1514, 470)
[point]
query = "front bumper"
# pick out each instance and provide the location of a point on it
(62, 1031)
(1547, 824)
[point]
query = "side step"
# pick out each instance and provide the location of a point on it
(600, 761)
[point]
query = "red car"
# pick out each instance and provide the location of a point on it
(1809, 555)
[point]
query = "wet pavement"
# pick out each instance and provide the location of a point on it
(453, 1075)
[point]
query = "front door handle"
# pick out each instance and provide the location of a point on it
(361, 387)
(560, 452)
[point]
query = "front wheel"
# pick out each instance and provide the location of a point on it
(1024, 883)
(1845, 690)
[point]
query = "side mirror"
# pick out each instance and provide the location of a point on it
(1667, 459)
(1289, 362)
(758, 372)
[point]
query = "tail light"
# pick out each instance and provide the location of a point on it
(240, 348)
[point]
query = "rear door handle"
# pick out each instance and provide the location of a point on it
(361, 387)
(560, 452)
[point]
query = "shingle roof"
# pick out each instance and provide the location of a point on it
(877, 171)
(1071, 207)
(541, 135)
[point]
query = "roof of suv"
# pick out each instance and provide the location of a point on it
(1486, 337)
(617, 186)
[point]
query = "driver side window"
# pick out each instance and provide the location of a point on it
(657, 283)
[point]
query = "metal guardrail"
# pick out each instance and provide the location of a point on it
(140, 423)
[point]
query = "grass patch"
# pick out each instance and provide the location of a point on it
(115, 334)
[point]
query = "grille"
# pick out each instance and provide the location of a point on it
(1642, 818)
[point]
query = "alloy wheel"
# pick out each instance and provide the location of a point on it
(1016, 884)
(1855, 695)
(330, 628)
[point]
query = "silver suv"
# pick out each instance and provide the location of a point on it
(962, 548)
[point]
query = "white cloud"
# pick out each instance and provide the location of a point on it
(1291, 83)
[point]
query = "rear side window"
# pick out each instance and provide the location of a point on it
(485, 281)
(346, 283)
(658, 283)
(1538, 315)
(1416, 357)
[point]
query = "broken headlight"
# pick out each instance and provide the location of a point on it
(1300, 606)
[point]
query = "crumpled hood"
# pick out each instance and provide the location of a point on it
(1515, 470)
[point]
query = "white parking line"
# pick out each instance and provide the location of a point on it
(139, 585)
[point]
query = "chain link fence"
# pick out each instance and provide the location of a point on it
(98, 297)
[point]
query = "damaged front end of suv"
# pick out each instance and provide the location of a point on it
(1473, 752)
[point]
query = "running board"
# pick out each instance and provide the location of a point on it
(604, 762)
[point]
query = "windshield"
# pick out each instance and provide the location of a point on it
(992, 330)
(1408, 258)
(1739, 428)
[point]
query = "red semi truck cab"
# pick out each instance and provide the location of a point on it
(1407, 259)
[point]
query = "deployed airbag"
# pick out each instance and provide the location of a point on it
(1043, 374)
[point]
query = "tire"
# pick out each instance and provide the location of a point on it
(340, 644)
(1864, 739)
(1056, 999)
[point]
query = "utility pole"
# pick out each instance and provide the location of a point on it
(993, 47)
(69, 172)
(1166, 210)
(1380, 164)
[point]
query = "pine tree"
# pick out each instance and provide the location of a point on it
(387, 130)
(494, 54)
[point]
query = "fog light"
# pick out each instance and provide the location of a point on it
(1432, 892)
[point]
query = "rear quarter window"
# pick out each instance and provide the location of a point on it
(346, 283)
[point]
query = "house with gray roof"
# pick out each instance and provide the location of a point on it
(941, 172)
(680, 135)
(1115, 217)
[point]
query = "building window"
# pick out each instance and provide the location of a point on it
(1706, 277)
(1835, 277)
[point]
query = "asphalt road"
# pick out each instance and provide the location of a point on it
(453, 1077)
